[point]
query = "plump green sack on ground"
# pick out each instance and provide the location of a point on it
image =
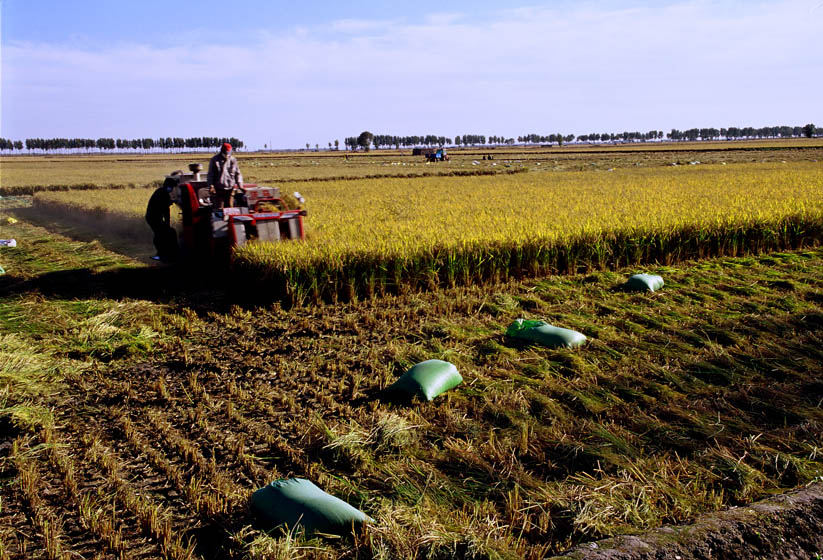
(644, 283)
(545, 334)
(427, 380)
(296, 501)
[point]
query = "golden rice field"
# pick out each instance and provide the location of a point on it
(368, 237)
(24, 174)
(391, 234)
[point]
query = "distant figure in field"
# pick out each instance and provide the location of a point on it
(159, 220)
(223, 177)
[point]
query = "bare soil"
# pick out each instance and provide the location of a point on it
(784, 527)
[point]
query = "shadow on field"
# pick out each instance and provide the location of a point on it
(203, 285)
(133, 238)
(179, 284)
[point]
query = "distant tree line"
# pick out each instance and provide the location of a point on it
(470, 140)
(387, 141)
(735, 133)
(538, 139)
(622, 136)
(10, 145)
(366, 139)
(693, 134)
(73, 145)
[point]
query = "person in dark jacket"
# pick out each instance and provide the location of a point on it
(159, 218)
(223, 177)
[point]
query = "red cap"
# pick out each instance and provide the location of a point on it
(226, 147)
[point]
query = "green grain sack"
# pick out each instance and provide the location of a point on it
(427, 380)
(296, 501)
(643, 283)
(545, 334)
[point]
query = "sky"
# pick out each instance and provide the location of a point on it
(283, 74)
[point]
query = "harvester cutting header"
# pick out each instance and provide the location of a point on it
(219, 212)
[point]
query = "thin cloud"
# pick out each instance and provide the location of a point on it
(354, 26)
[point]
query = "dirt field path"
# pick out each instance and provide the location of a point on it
(785, 527)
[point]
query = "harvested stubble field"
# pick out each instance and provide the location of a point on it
(137, 416)
(136, 428)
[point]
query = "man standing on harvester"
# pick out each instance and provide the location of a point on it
(223, 177)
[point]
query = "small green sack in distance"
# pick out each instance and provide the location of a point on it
(544, 334)
(427, 380)
(643, 283)
(297, 502)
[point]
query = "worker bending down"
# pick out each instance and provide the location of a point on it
(223, 177)
(159, 219)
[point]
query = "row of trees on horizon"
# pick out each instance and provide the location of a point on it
(72, 145)
(694, 134)
(366, 140)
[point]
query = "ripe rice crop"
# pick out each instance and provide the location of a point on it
(395, 234)
(368, 237)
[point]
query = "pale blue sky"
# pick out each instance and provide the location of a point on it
(289, 73)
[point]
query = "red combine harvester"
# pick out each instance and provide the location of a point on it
(259, 214)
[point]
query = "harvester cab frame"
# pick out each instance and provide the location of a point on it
(259, 214)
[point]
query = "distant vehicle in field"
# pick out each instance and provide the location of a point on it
(259, 213)
(432, 154)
